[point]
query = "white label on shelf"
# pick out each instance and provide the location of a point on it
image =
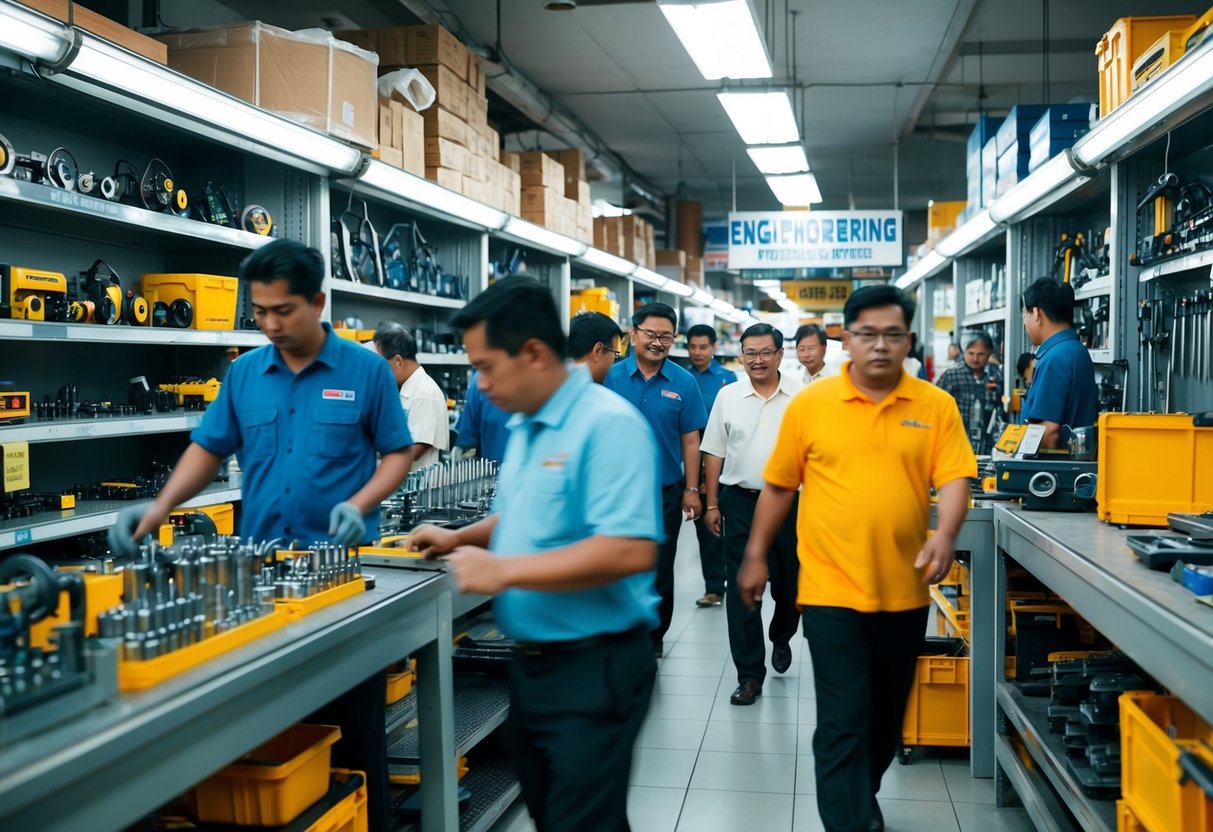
(84, 431)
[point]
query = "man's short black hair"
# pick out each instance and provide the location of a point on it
(1051, 297)
(875, 297)
(810, 330)
(702, 331)
(301, 266)
(1023, 363)
(759, 330)
(514, 310)
(393, 340)
(590, 328)
(655, 310)
(979, 336)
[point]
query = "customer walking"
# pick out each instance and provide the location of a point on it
(976, 385)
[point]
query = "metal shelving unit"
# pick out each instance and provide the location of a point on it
(98, 334)
(481, 706)
(395, 296)
(1201, 260)
(493, 784)
(67, 430)
(989, 316)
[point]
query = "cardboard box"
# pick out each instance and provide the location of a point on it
(393, 156)
(613, 239)
(367, 39)
(319, 81)
(650, 246)
(573, 162)
(672, 257)
(449, 89)
(412, 45)
(385, 124)
(540, 200)
(413, 142)
(445, 153)
(103, 27)
(443, 124)
(538, 168)
(694, 270)
(513, 161)
(633, 238)
(492, 143)
(446, 177)
(475, 168)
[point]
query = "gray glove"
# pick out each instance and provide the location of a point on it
(121, 536)
(345, 524)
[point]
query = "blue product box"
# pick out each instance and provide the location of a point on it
(1012, 168)
(989, 172)
(1018, 125)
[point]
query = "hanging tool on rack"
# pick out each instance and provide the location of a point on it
(1159, 200)
(158, 192)
(8, 158)
(213, 205)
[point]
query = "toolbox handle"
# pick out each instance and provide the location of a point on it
(1197, 770)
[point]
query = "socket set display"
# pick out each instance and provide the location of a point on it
(1174, 218)
(441, 494)
(299, 574)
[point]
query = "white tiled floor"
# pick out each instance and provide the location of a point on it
(703, 765)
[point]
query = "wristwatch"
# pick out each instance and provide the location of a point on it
(690, 491)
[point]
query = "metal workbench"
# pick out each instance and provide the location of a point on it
(109, 769)
(977, 538)
(1143, 612)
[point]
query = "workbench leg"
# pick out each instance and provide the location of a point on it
(983, 578)
(436, 723)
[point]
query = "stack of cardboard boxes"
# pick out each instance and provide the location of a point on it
(629, 237)
(555, 193)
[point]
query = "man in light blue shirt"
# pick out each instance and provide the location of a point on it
(569, 557)
(481, 425)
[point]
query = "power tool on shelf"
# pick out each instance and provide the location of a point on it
(32, 294)
(58, 169)
(8, 157)
(194, 393)
(104, 301)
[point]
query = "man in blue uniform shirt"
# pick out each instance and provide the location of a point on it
(306, 416)
(481, 425)
(570, 558)
(668, 398)
(1063, 394)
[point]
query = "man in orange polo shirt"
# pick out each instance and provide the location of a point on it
(867, 445)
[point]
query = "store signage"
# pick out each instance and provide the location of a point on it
(818, 295)
(814, 239)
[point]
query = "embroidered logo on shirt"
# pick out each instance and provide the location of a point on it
(343, 395)
(670, 394)
(914, 423)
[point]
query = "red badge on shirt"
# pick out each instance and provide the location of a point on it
(342, 395)
(670, 394)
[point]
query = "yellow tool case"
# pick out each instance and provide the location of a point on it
(1120, 48)
(1163, 744)
(211, 297)
(937, 712)
(1152, 465)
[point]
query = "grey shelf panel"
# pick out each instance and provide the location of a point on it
(456, 359)
(91, 516)
(1187, 263)
(68, 430)
(989, 316)
(345, 287)
(493, 782)
(1029, 715)
(481, 705)
(1095, 288)
(1030, 786)
(99, 334)
(462, 604)
(398, 713)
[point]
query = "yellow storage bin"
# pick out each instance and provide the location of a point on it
(400, 684)
(1151, 464)
(1158, 57)
(1154, 730)
(350, 814)
(1126, 821)
(937, 712)
(212, 296)
(274, 783)
(1119, 49)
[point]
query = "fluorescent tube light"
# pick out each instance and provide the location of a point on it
(681, 289)
(430, 195)
(797, 189)
(968, 235)
(599, 259)
(721, 36)
(789, 306)
(701, 297)
(528, 232)
(648, 277)
(776, 159)
(722, 306)
(767, 284)
(32, 35)
(761, 116)
(1029, 193)
(927, 265)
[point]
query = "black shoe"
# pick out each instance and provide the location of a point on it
(781, 657)
(877, 824)
(747, 693)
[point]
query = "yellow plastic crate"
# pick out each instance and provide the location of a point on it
(350, 815)
(400, 684)
(1158, 57)
(937, 712)
(274, 783)
(213, 296)
(1120, 48)
(1126, 821)
(1154, 729)
(1151, 464)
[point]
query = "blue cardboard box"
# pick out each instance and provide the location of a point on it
(1017, 125)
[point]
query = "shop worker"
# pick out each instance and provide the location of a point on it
(305, 415)
(712, 378)
(669, 399)
(1063, 394)
(736, 446)
(811, 352)
(976, 385)
(481, 428)
(571, 545)
(594, 340)
(422, 399)
(866, 447)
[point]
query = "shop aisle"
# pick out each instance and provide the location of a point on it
(703, 765)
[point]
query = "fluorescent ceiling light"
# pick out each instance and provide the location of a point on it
(680, 289)
(767, 284)
(701, 297)
(599, 259)
(432, 196)
(761, 117)
(33, 36)
(927, 265)
(602, 208)
(649, 277)
(774, 159)
(1029, 194)
(797, 189)
(537, 235)
(722, 306)
(968, 235)
(721, 36)
(789, 306)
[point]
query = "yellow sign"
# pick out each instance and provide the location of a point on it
(818, 294)
(15, 457)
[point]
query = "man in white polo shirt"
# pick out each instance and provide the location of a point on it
(423, 401)
(736, 445)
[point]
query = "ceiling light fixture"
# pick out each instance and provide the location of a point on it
(778, 159)
(761, 116)
(969, 235)
(721, 36)
(797, 190)
(429, 195)
(1047, 179)
(560, 5)
(607, 262)
(927, 265)
(33, 36)
(528, 232)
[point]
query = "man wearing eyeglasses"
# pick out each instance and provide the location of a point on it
(736, 445)
(669, 399)
(594, 341)
(866, 447)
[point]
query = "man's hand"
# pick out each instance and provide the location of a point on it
(345, 524)
(752, 580)
(477, 570)
(432, 541)
(712, 518)
(122, 537)
(691, 506)
(935, 559)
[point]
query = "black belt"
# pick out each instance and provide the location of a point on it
(577, 645)
(753, 492)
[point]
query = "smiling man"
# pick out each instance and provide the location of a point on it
(866, 447)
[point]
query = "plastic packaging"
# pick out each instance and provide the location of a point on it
(410, 86)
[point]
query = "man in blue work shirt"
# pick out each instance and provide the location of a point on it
(711, 377)
(594, 342)
(481, 425)
(1063, 394)
(306, 416)
(570, 561)
(669, 400)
